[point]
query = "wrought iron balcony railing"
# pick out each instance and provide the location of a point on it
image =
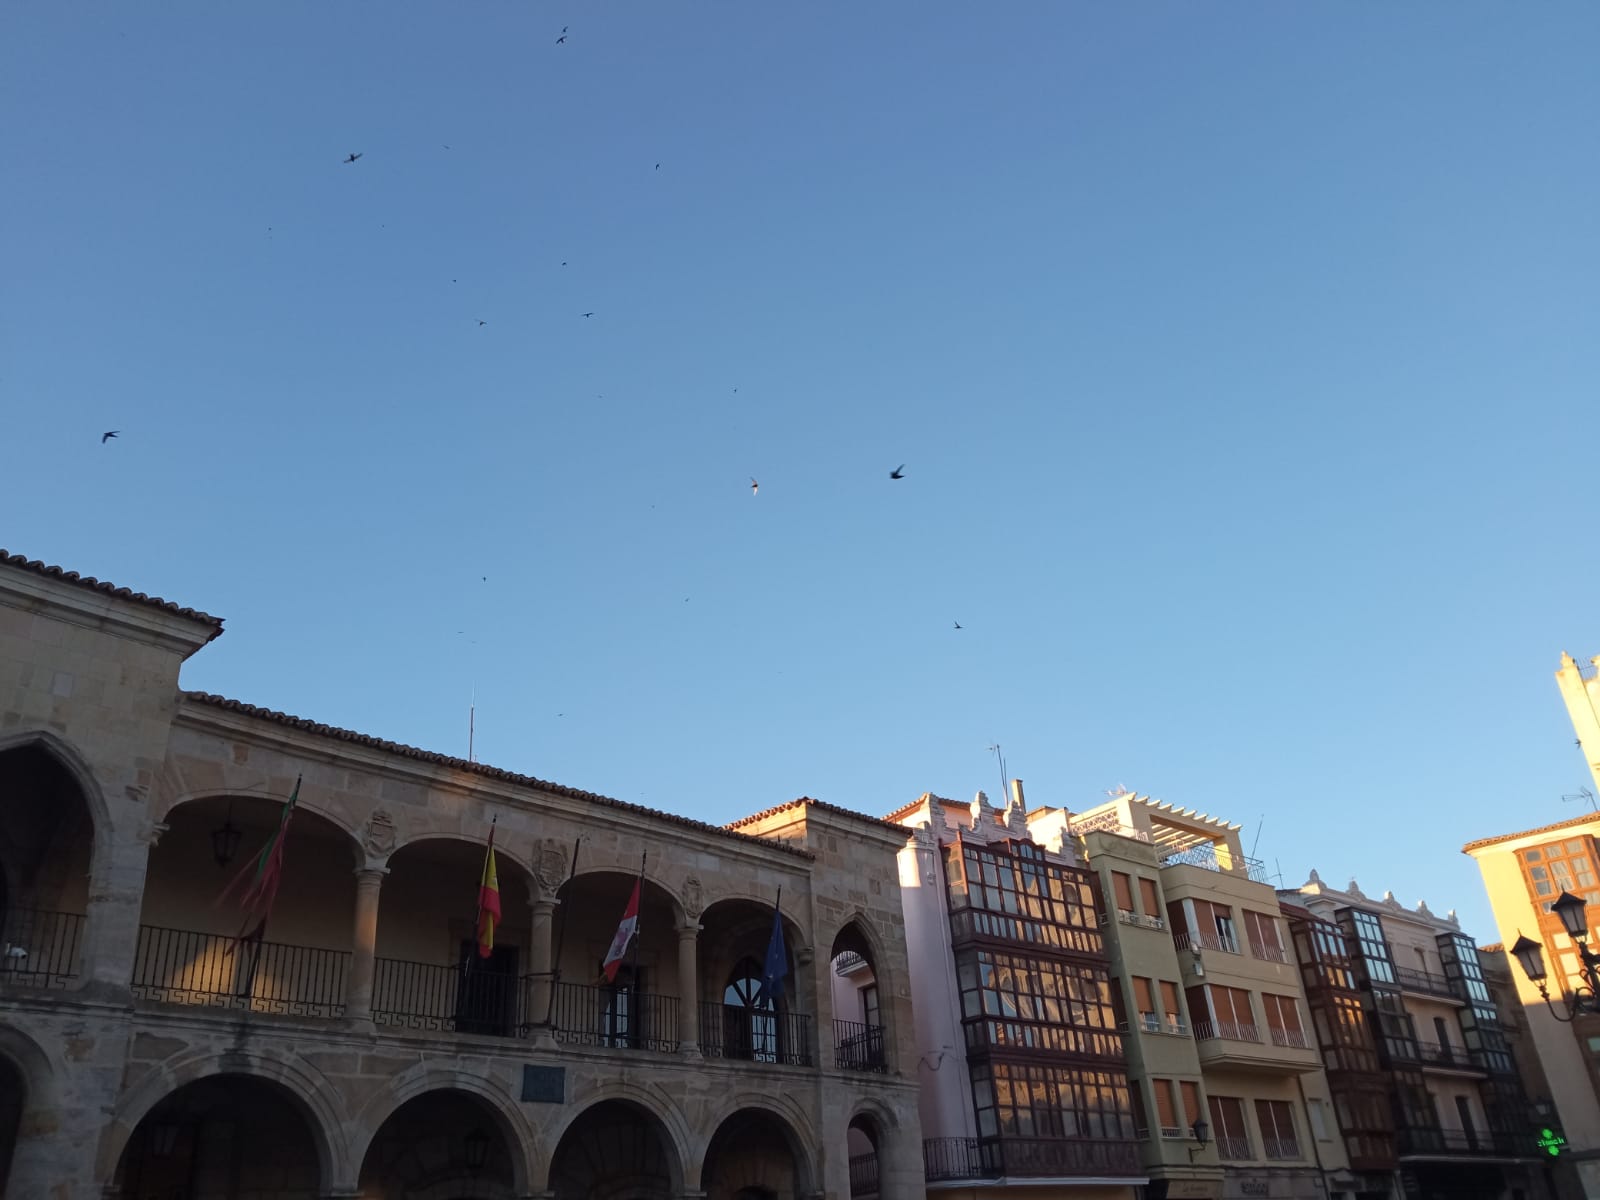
(945, 1159)
(1205, 857)
(858, 1047)
(1413, 980)
(1280, 1148)
(445, 999)
(863, 1176)
(1233, 1149)
(39, 948)
(176, 966)
(614, 1017)
(1227, 1031)
(1206, 941)
(755, 1035)
(1275, 954)
(1292, 1038)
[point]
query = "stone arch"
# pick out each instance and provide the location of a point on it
(652, 884)
(65, 755)
(727, 1173)
(502, 852)
(644, 1094)
(861, 990)
(602, 1107)
(426, 1078)
(34, 1088)
(307, 1089)
(796, 929)
(307, 802)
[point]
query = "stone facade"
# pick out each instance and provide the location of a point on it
(362, 1049)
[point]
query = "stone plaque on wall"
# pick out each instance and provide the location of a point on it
(544, 1085)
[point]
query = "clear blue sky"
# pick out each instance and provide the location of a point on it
(1242, 359)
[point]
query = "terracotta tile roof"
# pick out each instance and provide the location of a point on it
(109, 589)
(1586, 819)
(823, 805)
(477, 768)
(893, 818)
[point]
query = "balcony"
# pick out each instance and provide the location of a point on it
(176, 966)
(1459, 1143)
(1233, 1149)
(1424, 983)
(734, 1031)
(1240, 1047)
(1157, 1023)
(39, 948)
(614, 1017)
(947, 1159)
(1205, 857)
(1280, 1149)
(858, 1047)
(1440, 1056)
(1126, 916)
(1275, 954)
(1205, 941)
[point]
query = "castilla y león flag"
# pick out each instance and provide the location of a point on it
(625, 932)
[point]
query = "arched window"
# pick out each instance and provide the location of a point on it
(750, 1020)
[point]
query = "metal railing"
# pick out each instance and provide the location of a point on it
(859, 1047)
(951, 1158)
(617, 1017)
(1413, 980)
(1275, 954)
(39, 948)
(1280, 1148)
(444, 999)
(1440, 1054)
(754, 1034)
(1459, 1142)
(1110, 822)
(863, 1176)
(1233, 1149)
(1227, 1031)
(1205, 857)
(176, 966)
(1292, 1038)
(1205, 941)
(1048, 1157)
(847, 962)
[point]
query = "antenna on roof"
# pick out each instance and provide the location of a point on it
(1005, 783)
(1583, 793)
(472, 721)
(1260, 821)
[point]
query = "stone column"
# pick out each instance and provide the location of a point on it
(900, 1166)
(689, 989)
(540, 964)
(363, 944)
(111, 924)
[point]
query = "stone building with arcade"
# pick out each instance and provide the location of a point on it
(363, 1048)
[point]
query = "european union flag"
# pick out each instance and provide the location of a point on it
(777, 964)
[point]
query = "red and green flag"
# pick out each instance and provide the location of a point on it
(265, 873)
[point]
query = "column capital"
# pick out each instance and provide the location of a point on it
(370, 874)
(542, 904)
(689, 930)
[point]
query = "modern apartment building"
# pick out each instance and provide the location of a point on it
(1459, 1124)
(1211, 1000)
(364, 1045)
(1524, 873)
(1024, 1074)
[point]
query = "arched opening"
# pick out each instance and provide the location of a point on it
(859, 1043)
(429, 973)
(615, 1151)
(861, 1144)
(189, 950)
(750, 1011)
(637, 1006)
(13, 1097)
(445, 1145)
(224, 1137)
(753, 1156)
(46, 846)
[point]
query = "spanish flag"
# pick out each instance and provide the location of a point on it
(488, 901)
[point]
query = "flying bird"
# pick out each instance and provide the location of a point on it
(108, 435)
(352, 158)
(588, 314)
(899, 472)
(483, 323)
(658, 166)
(561, 40)
(754, 486)
(958, 624)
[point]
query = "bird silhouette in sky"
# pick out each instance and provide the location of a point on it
(899, 472)
(352, 158)
(588, 314)
(481, 323)
(754, 486)
(561, 41)
(108, 435)
(958, 624)
(658, 166)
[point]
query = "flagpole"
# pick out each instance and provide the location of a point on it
(638, 923)
(261, 929)
(561, 934)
